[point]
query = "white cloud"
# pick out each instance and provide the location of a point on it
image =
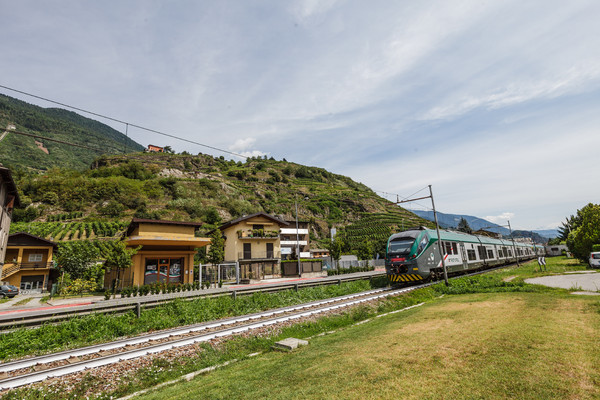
(242, 147)
(502, 218)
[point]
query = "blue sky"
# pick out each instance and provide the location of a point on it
(494, 103)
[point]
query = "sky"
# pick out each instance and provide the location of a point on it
(493, 103)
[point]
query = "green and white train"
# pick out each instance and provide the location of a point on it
(413, 255)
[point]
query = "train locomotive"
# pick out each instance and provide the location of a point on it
(413, 255)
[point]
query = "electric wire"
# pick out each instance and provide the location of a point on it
(127, 124)
(55, 140)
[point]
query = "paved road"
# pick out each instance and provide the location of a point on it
(584, 280)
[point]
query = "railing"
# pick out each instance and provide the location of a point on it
(258, 255)
(123, 305)
(10, 269)
(257, 234)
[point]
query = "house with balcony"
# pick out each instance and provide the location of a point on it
(29, 262)
(292, 239)
(9, 198)
(254, 242)
(166, 253)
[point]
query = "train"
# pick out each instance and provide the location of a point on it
(413, 255)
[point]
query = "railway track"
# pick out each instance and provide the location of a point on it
(36, 369)
(123, 305)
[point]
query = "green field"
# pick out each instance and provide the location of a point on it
(490, 336)
(532, 345)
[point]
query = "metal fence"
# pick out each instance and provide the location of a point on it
(219, 274)
(328, 263)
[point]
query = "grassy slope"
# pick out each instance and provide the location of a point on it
(201, 182)
(17, 150)
(473, 346)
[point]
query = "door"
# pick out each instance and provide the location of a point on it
(463, 254)
(269, 250)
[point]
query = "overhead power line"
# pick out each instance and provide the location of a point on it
(127, 124)
(33, 135)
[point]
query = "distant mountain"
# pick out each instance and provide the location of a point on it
(452, 220)
(27, 152)
(547, 233)
(476, 223)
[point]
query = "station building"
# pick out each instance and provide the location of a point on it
(166, 253)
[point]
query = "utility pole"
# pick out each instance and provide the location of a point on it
(513, 242)
(297, 238)
(437, 228)
(440, 244)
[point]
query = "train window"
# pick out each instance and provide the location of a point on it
(422, 244)
(454, 248)
(481, 251)
(447, 248)
(490, 253)
(401, 245)
(510, 253)
(471, 254)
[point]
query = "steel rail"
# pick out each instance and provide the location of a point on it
(83, 351)
(123, 305)
(37, 376)
(17, 381)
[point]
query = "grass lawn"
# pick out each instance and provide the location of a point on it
(539, 345)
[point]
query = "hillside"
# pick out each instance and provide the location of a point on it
(28, 152)
(208, 189)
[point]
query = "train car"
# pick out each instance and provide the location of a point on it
(413, 255)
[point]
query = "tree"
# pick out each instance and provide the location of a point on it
(365, 250)
(119, 258)
(463, 226)
(168, 149)
(76, 257)
(216, 252)
(335, 248)
(586, 231)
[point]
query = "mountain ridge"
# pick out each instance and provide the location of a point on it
(476, 223)
(59, 124)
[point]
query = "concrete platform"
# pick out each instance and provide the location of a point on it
(290, 344)
(586, 281)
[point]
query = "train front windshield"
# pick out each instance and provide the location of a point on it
(400, 246)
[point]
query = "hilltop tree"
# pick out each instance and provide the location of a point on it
(463, 226)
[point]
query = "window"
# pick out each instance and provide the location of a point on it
(400, 245)
(247, 251)
(422, 244)
(269, 250)
(490, 253)
(471, 255)
(447, 248)
(482, 253)
(35, 257)
(163, 270)
(454, 248)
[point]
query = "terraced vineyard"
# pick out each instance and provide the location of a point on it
(65, 231)
(377, 227)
